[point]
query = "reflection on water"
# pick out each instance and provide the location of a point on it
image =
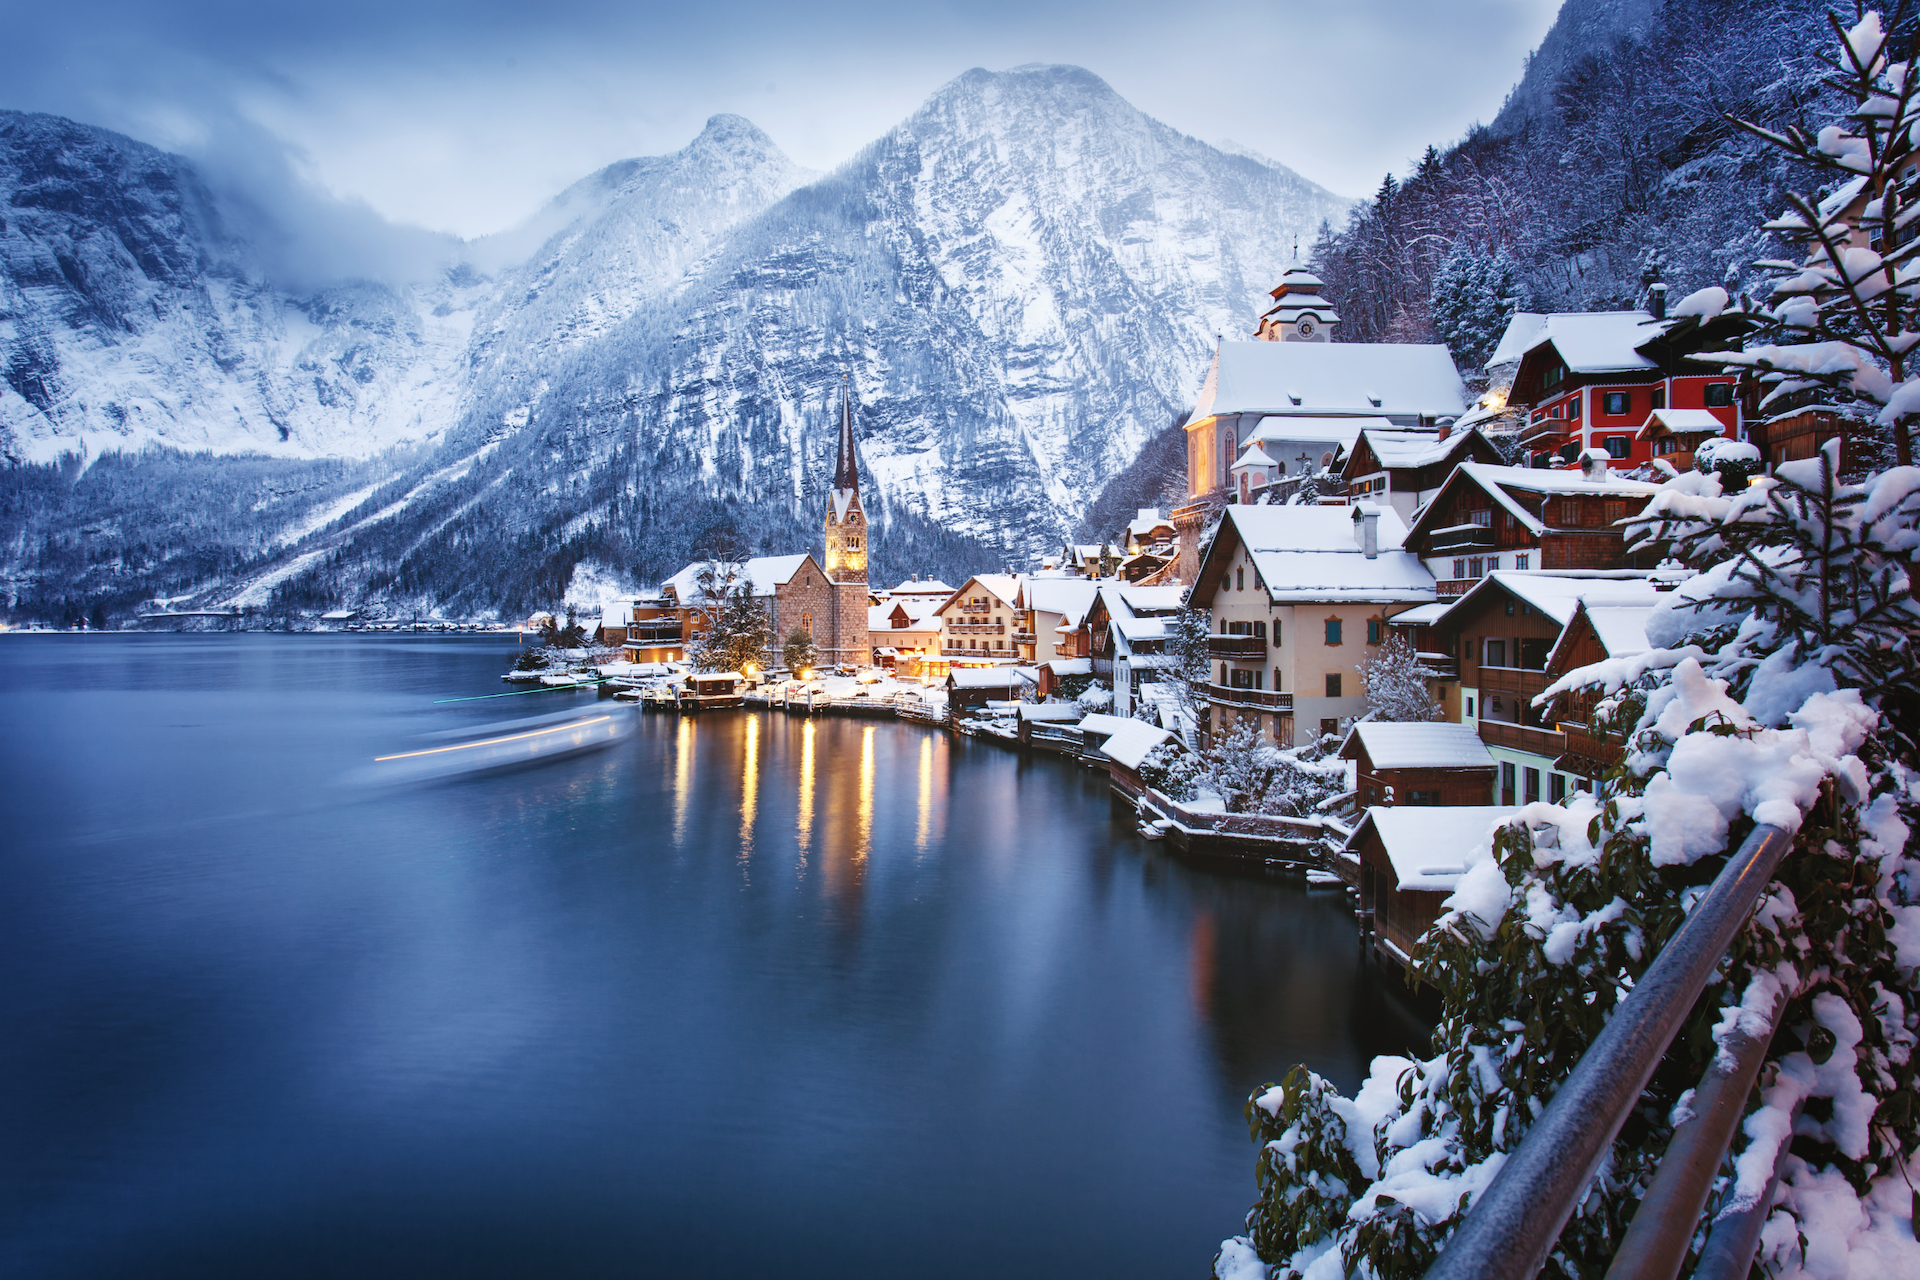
(547, 1023)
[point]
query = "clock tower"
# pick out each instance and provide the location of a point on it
(1299, 313)
(846, 641)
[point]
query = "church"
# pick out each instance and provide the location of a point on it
(827, 598)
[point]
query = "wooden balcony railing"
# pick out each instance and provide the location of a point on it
(977, 628)
(1520, 737)
(1519, 682)
(1257, 699)
(1230, 647)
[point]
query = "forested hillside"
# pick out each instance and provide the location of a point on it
(1612, 164)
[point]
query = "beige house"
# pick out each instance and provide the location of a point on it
(983, 623)
(1299, 596)
(1056, 605)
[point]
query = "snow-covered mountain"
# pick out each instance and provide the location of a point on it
(1021, 282)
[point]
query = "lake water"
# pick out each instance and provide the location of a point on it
(742, 995)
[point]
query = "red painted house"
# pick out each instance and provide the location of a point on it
(1596, 381)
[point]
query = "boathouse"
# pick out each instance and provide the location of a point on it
(1420, 764)
(1411, 860)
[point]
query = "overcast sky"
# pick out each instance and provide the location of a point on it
(466, 116)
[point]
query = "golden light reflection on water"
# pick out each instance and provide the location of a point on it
(925, 826)
(863, 840)
(749, 790)
(804, 834)
(682, 777)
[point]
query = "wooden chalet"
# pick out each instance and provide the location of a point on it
(1488, 518)
(1411, 860)
(1430, 765)
(1404, 469)
(1596, 632)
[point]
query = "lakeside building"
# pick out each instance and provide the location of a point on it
(1432, 764)
(1298, 596)
(1302, 400)
(1127, 633)
(980, 623)
(1599, 629)
(1410, 861)
(1056, 608)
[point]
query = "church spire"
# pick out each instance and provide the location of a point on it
(846, 470)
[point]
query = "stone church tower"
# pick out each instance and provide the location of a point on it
(846, 641)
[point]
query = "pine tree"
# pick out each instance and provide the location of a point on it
(801, 653)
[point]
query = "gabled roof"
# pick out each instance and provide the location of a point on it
(1621, 629)
(1556, 593)
(1517, 337)
(1068, 597)
(1398, 447)
(1134, 600)
(1004, 587)
(1499, 482)
(1254, 456)
(1681, 422)
(1314, 554)
(1428, 847)
(1363, 379)
(930, 587)
(1132, 742)
(1291, 428)
(763, 574)
(984, 677)
(1430, 745)
(1598, 341)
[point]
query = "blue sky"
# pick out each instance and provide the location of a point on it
(465, 117)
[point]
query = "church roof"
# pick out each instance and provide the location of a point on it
(1337, 379)
(846, 468)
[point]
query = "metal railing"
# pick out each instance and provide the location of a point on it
(1513, 1226)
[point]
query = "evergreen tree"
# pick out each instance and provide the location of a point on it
(1396, 683)
(801, 653)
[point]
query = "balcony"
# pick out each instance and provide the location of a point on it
(1440, 666)
(646, 634)
(1446, 588)
(976, 628)
(1023, 637)
(1251, 699)
(1520, 737)
(1460, 537)
(976, 608)
(1515, 682)
(1233, 647)
(1589, 754)
(983, 655)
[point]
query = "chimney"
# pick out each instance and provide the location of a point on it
(1446, 429)
(1593, 465)
(1367, 517)
(1657, 297)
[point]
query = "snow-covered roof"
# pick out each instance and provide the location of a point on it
(1070, 666)
(1598, 341)
(1428, 847)
(1004, 587)
(1399, 447)
(1434, 745)
(1364, 379)
(984, 677)
(1131, 743)
(1557, 593)
(1138, 629)
(1068, 597)
(1146, 520)
(1620, 628)
(1497, 482)
(1255, 456)
(1049, 711)
(930, 587)
(1100, 722)
(1681, 422)
(1163, 599)
(1314, 553)
(1517, 337)
(616, 615)
(763, 574)
(1421, 615)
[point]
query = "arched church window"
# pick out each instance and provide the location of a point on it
(806, 620)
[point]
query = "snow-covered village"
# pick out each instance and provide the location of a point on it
(1003, 685)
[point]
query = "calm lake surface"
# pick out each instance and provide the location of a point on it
(743, 995)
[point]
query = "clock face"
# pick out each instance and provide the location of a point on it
(1305, 328)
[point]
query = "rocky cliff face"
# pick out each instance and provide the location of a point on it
(1020, 285)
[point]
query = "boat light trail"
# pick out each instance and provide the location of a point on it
(490, 742)
(521, 693)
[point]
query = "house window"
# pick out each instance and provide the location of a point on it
(1459, 568)
(1333, 684)
(1427, 798)
(1276, 639)
(1240, 579)
(1660, 396)
(1470, 708)
(1618, 446)
(1533, 786)
(1260, 629)
(1276, 679)
(1496, 653)
(1573, 408)
(1506, 782)
(1556, 787)
(1719, 395)
(1617, 403)
(1555, 372)
(1476, 566)
(1373, 631)
(1329, 727)
(1483, 518)
(1333, 631)
(1522, 560)
(1244, 679)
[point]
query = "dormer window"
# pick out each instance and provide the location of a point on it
(1555, 375)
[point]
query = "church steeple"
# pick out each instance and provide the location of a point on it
(846, 470)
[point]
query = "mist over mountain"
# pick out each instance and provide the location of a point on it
(1018, 285)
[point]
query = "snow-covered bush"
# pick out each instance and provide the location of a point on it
(1173, 771)
(1097, 696)
(1253, 776)
(1396, 683)
(1779, 694)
